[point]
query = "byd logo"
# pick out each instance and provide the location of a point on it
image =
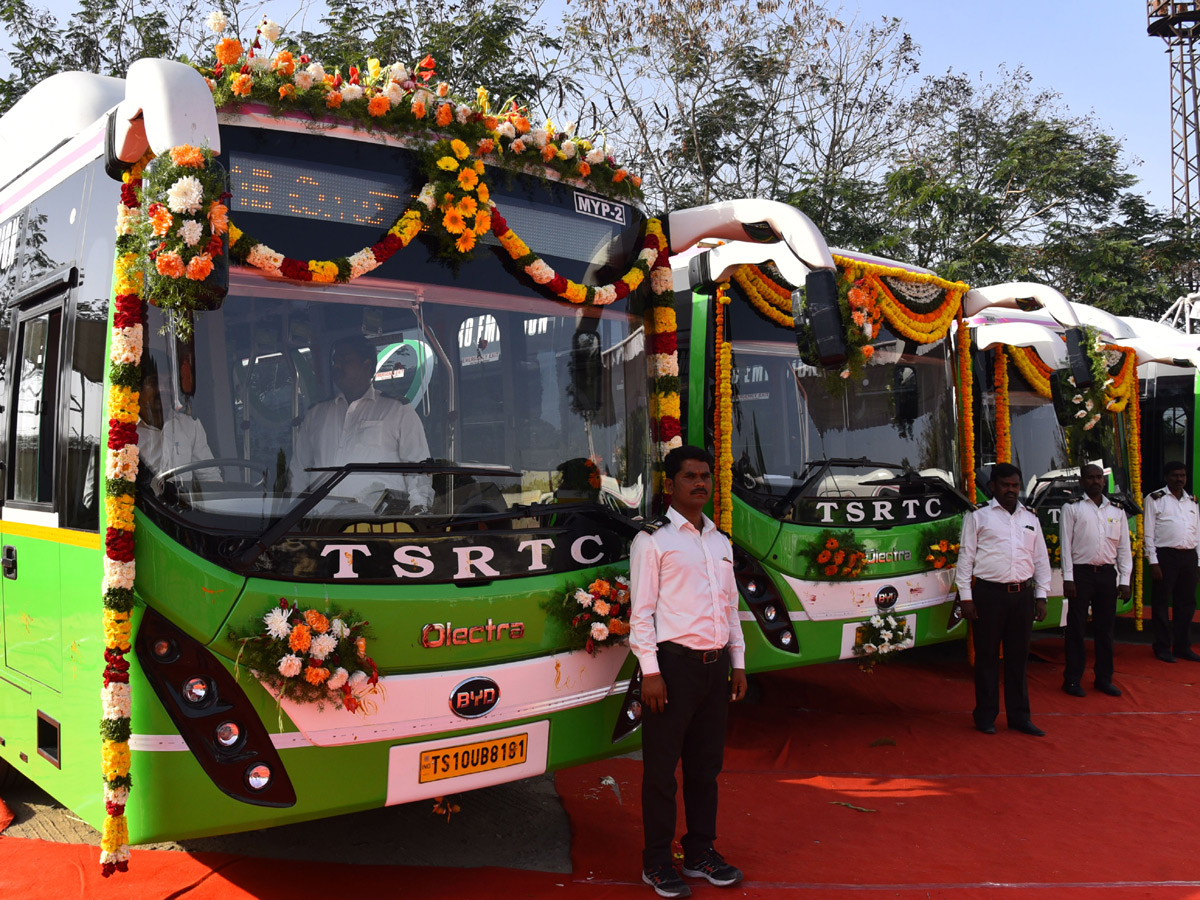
(886, 597)
(475, 697)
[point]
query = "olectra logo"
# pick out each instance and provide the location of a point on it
(886, 597)
(475, 697)
(438, 634)
(599, 208)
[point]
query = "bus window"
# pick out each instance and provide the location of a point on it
(1173, 431)
(84, 408)
(481, 390)
(37, 380)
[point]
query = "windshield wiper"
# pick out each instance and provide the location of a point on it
(1054, 490)
(534, 510)
(822, 468)
(913, 478)
(429, 467)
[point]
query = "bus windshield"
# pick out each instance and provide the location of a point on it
(788, 417)
(460, 377)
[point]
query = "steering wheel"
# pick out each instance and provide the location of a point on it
(157, 482)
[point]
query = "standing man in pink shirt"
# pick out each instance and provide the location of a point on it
(687, 637)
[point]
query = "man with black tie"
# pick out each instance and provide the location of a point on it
(1172, 537)
(1096, 565)
(1003, 575)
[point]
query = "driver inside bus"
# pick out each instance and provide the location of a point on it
(361, 425)
(167, 440)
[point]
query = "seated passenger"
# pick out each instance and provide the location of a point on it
(168, 440)
(361, 425)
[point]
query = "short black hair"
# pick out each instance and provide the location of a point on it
(357, 344)
(1003, 470)
(1090, 466)
(674, 461)
(1172, 466)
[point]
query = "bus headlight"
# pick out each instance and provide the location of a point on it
(196, 690)
(258, 777)
(762, 598)
(228, 734)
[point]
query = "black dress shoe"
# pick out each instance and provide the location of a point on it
(1027, 728)
(1189, 654)
(986, 729)
(1111, 689)
(1164, 656)
(1073, 689)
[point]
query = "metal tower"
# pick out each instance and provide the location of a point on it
(1178, 23)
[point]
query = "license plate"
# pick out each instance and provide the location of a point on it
(482, 756)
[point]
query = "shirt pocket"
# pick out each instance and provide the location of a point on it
(371, 434)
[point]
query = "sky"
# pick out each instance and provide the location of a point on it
(1095, 54)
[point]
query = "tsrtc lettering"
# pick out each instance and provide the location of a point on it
(409, 555)
(345, 554)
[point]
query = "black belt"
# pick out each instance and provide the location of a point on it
(1177, 549)
(705, 656)
(1096, 567)
(1013, 587)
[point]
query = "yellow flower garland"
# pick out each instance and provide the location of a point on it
(966, 386)
(749, 279)
(1032, 369)
(1003, 413)
(1124, 399)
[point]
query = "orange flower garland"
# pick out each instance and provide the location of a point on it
(1124, 393)
(966, 386)
(1003, 413)
(1032, 369)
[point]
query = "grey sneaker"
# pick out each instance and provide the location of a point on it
(710, 865)
(666, 881)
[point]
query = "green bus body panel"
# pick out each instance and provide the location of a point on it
(33, 613)
(67, 600)
(174, 799)
(822, 641)
(754, 531)
(797, 544)
(190, 591)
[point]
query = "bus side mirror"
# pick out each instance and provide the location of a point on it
(1077, 358)
(816, 310)
(586, 369)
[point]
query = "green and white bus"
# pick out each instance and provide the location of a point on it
(418, 595)
(835, 410)
(1035, 413)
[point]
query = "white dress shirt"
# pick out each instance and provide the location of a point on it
(374, 428)
(1170, 523)
(682, 590)
(1002, 547)
(1097, 535)
(180, 441)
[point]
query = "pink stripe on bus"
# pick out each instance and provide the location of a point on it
(82, 150)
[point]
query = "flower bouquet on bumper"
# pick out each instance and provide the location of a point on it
(879, 637)
(596, 616)
(307, 656)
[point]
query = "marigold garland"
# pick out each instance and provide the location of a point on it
(967, 391)
(596, 616)
(1029, 363)
(121, 468)
(1124, 392)
(723, 417)
(1003, 412)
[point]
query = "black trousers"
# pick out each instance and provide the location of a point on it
(691, 729)
(1095, 587)
(1005, 619)
(1174, 601)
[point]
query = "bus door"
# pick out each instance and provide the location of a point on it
(29, 551)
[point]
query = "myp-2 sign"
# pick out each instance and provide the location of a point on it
(599, 208)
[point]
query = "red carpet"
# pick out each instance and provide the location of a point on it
(838, 784)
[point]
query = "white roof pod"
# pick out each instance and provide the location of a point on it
(166, 104)
(1011, 293)
(50, 114)
(739, 220)
(1046, 341)
(1156, 342)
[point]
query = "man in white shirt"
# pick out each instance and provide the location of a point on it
(1003, 575)
(361, 425)
(169, 439)
(686, 634)
(1172, 538)
(1096, 565)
